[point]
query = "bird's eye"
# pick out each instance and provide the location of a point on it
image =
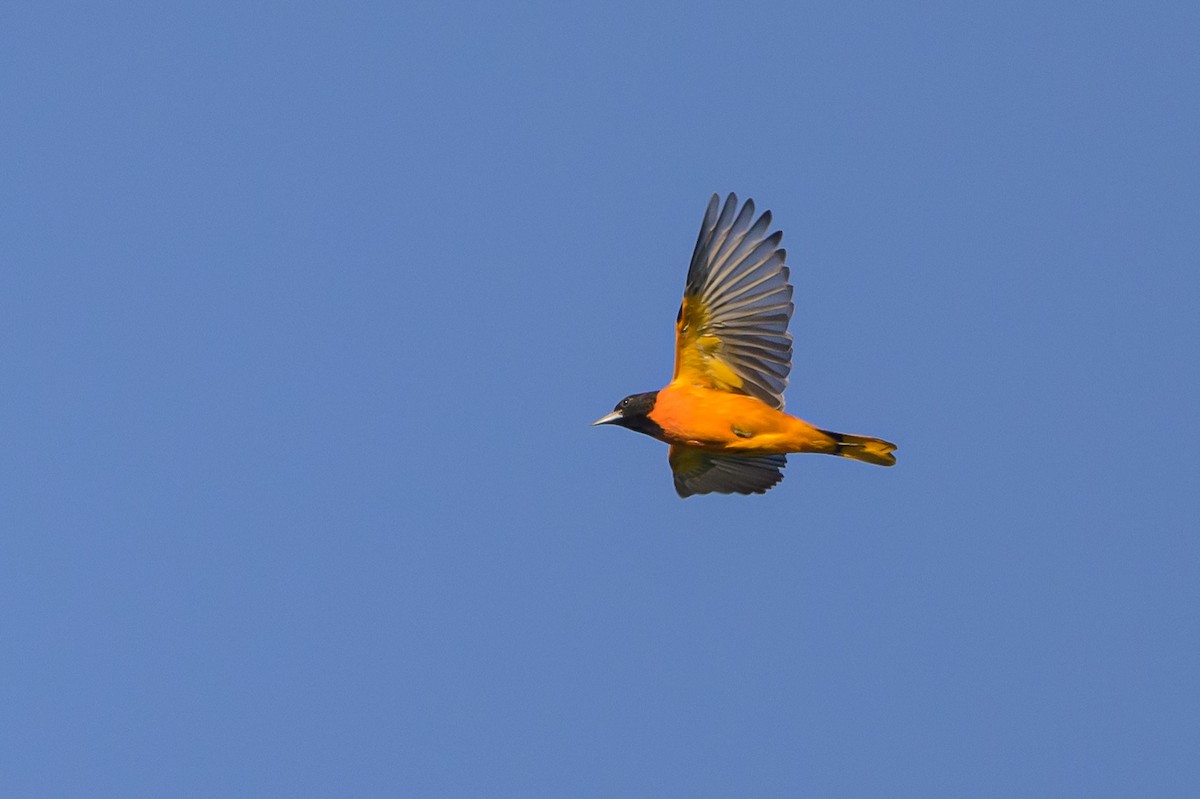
(624, 403)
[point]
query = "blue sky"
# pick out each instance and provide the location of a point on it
(307, 310)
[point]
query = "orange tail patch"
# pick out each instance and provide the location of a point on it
(864, 448)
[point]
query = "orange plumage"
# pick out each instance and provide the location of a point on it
(722, 413)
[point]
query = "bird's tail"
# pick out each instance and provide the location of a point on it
(863, 448)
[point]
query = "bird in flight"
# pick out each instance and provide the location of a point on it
(722, 413)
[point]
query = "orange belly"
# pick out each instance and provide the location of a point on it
(719, 421)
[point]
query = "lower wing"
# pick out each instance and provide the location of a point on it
(700, 472)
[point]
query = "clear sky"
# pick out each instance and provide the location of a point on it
(306, 311)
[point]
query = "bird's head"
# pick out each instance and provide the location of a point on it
(634, 412)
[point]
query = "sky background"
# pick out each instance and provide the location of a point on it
(306, 311)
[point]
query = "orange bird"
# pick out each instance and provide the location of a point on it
(722, 413)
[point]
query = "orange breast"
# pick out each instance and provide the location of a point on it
(715, 420)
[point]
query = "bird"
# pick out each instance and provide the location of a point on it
(722, 413)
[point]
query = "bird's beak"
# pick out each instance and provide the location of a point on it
(609, 419)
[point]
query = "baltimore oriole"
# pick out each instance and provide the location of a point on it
(722, 413)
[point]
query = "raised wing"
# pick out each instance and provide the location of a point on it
(700, 472)
(731, 333)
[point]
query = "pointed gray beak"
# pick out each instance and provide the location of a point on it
(609, 419)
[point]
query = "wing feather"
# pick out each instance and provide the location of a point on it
(700, 472)
(731, 333)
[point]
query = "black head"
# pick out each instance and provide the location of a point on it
(634, 412)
